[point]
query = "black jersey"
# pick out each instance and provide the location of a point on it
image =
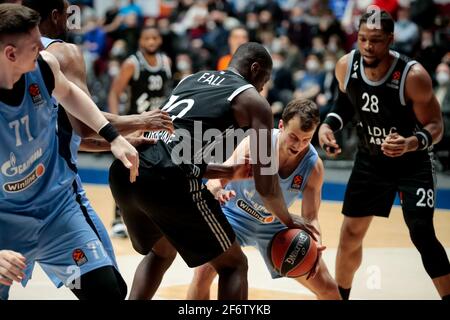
(380, 107)
(149, 85)
(200, 107)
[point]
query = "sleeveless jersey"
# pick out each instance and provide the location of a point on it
(69, 141)
(33, 174)
(149, 85)
(380, 107)
(200, 107)
(248, 204)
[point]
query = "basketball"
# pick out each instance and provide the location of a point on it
(292, 252)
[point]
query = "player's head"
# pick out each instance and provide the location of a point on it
(20, 40)
(53, 16)
(254, 63)
(297, 125)
(237, 36)
(375, 35)
(150, 40)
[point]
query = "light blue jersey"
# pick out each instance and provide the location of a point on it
(251, 221)
(33, 175)
(42, 213)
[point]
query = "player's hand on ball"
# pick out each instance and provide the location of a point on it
(301, 223)
(126, 153)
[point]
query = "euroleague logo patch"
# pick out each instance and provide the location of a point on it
(35, 94)
(297, 182)
(17, 186)
(79, 257)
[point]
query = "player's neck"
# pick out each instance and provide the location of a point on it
(376, 74)
(150, 58)
(8, 79)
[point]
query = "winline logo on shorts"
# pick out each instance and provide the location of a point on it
(214, 146)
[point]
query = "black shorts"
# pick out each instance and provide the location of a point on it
(167, 201)
(375, 181)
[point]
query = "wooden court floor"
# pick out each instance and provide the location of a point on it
(391, 268)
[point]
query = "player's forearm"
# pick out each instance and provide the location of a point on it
(125, 124)
(113, 102)
(219, 171)
(94, 145)
(77, 103)
(341, 113)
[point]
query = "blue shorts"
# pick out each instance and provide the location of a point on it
(67, 239)
(252, 233)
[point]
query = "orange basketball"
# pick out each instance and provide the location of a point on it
(292, 252)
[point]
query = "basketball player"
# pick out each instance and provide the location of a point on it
(12, 266)
(170, 206)
(300, 171)
(398, 120)
(147, 73)
(41, 215)
(53, 27)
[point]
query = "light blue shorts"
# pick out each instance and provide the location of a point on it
(252, 233)
(67, 239)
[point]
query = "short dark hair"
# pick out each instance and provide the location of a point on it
(306, 110)
(16, 19)
(145, 28)
(386, 21)
(250, 52)
(45, 7)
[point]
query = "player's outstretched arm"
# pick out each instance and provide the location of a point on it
(72, 65)
(78, 104)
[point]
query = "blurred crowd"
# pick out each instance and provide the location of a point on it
(304, 37)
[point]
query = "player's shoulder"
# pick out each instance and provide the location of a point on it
(418, 83)
(67, 54)
(51, 61)
(342, 66)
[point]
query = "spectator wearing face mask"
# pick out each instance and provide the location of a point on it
(406, 33)
(329, 88)
(183, 67)
(309, 83)
(281, 87)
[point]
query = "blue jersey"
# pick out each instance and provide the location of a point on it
(33, 174)
(248, 204)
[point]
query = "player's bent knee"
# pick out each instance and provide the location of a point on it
(142, 249)
(103, 283)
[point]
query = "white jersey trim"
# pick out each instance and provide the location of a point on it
(403, 81)
(239, 90)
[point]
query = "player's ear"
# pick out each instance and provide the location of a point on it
(54, 16)
(10, 52)
(255, 67)
(280, 124)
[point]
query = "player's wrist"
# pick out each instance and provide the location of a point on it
(108, 132)
(424, 139)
